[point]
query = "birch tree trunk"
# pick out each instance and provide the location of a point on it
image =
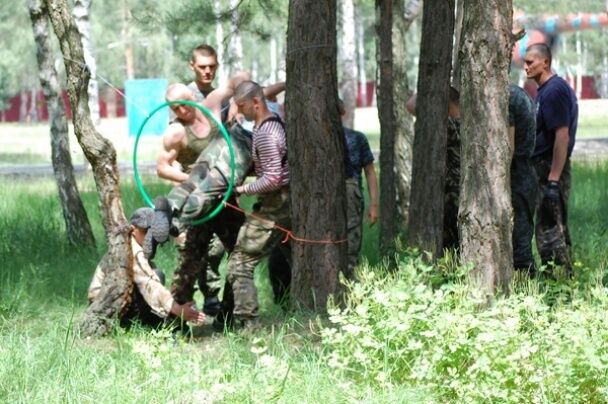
(219, 42)
(347, 61)
(404, 124)
(425, 221)
(77, 223)
(118, 264)
(485, 218)
(81, 12)
(236, 45)
(317, 183)
(456, 49)
(125, 34)
(386, 112)
(361, 64)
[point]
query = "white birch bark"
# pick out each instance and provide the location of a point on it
(81, 13)
(347, 61)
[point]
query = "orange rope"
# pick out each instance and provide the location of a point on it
(288, 233)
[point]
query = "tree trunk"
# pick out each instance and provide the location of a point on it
(386, 113)
(81, 17)
(125, 34)
(348, 65)
(316, 160)
(404, 124)
(219, 42)
(75, 216)
(118, 266)
(485, 219)
(457, 36)
(361, 63)
(236, 45)
(425, 225)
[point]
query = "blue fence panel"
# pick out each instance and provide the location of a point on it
(142, 97)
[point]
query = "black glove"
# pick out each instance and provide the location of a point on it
(552, 193)
(161, 224)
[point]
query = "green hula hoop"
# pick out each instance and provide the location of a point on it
(224, 133)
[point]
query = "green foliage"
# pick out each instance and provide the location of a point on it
(397, 329)
(420, 334)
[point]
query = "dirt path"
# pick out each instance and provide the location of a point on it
(586, 148)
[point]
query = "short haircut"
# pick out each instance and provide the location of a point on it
(453, 95)
(204, 50)
(247, 90)
(542, 49)
(178, 91)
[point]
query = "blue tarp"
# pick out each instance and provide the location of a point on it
(142, 97)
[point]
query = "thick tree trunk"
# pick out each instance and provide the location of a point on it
(76, 221)
(386, 113)
(404, 124)
(485, 219)
(118, 266)
(316, 158)
(81, 18)
(425, 224)
(348, 64)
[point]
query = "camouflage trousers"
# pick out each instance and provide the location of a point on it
(552, 235)
(201, 254)
(524, 190)
(194, 267)
(354, 225)
(256, 239)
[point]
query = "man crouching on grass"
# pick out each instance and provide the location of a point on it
(151, 302)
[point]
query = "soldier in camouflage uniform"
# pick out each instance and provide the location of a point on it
(522, 129)
(451, 189)
(258, 236)
(151, 302)
(523, 190)
(183, 141)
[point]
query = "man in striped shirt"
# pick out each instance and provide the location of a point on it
(257, 236)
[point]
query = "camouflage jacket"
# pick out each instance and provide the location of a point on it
(209, 178)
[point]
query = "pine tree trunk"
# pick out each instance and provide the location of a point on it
(425, 225)
(386, 113)
(348, 66)
(118, 266)
(316, 157)
(81, 18)
(76, 221)
(404, 124)
(485, 219)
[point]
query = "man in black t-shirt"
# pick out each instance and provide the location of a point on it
(556, 123)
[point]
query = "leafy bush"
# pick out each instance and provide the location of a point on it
(397, 329)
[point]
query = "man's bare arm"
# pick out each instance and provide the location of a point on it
(214, 99)
(560, 153)
(165, 163)
(372, 188)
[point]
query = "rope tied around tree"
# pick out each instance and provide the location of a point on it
(288, 233)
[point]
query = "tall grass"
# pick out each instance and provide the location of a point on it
(418, 335)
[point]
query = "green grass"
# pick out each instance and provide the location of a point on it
(404, 337)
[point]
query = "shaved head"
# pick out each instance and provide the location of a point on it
(541, 49)
(177, 92)
(247, 90)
